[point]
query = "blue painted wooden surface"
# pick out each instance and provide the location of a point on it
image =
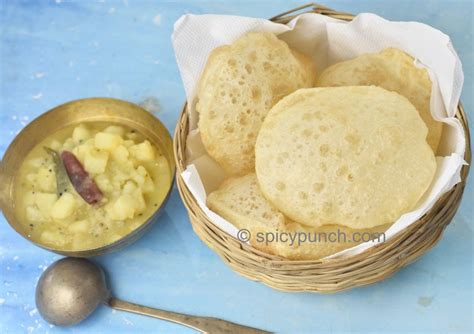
(56, 51)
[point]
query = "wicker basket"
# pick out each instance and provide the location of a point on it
(330, 275)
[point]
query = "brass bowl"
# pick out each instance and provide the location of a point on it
(85, 110)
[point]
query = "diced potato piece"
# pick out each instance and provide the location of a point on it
(139, 175)
(80, 226)
(142, 171)
(81, 151)
(123, 208)
(139, 201)
(120, 154)
(44, 202)
(82, 241)
(52, 238)
(80, 134)
(143, 151)
(143, 178)
(95, 162)
(148, 186)
(46, 180)
(116, 193)
(107, 141)
(129, 187)
(68, 144)
(64, 207)
(126, 167)
(56, 145)
(139, 179)
(103, 183)
(28, 198)
(34, 215)
(128, 143)
(119, 177)
(115, 129)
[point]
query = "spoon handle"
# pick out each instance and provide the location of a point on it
(203, 324)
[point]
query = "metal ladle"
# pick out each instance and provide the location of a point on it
(72, 288)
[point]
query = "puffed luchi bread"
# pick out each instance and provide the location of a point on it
(354, 156)
(239, 85)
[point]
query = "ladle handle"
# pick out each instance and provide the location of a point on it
(203, 324)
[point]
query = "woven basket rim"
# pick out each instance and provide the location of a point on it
(276, 271)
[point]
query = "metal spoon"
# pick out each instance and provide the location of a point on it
(72, 288)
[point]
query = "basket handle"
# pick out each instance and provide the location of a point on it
(313, 8)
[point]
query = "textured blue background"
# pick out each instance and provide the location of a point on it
(56, 51)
